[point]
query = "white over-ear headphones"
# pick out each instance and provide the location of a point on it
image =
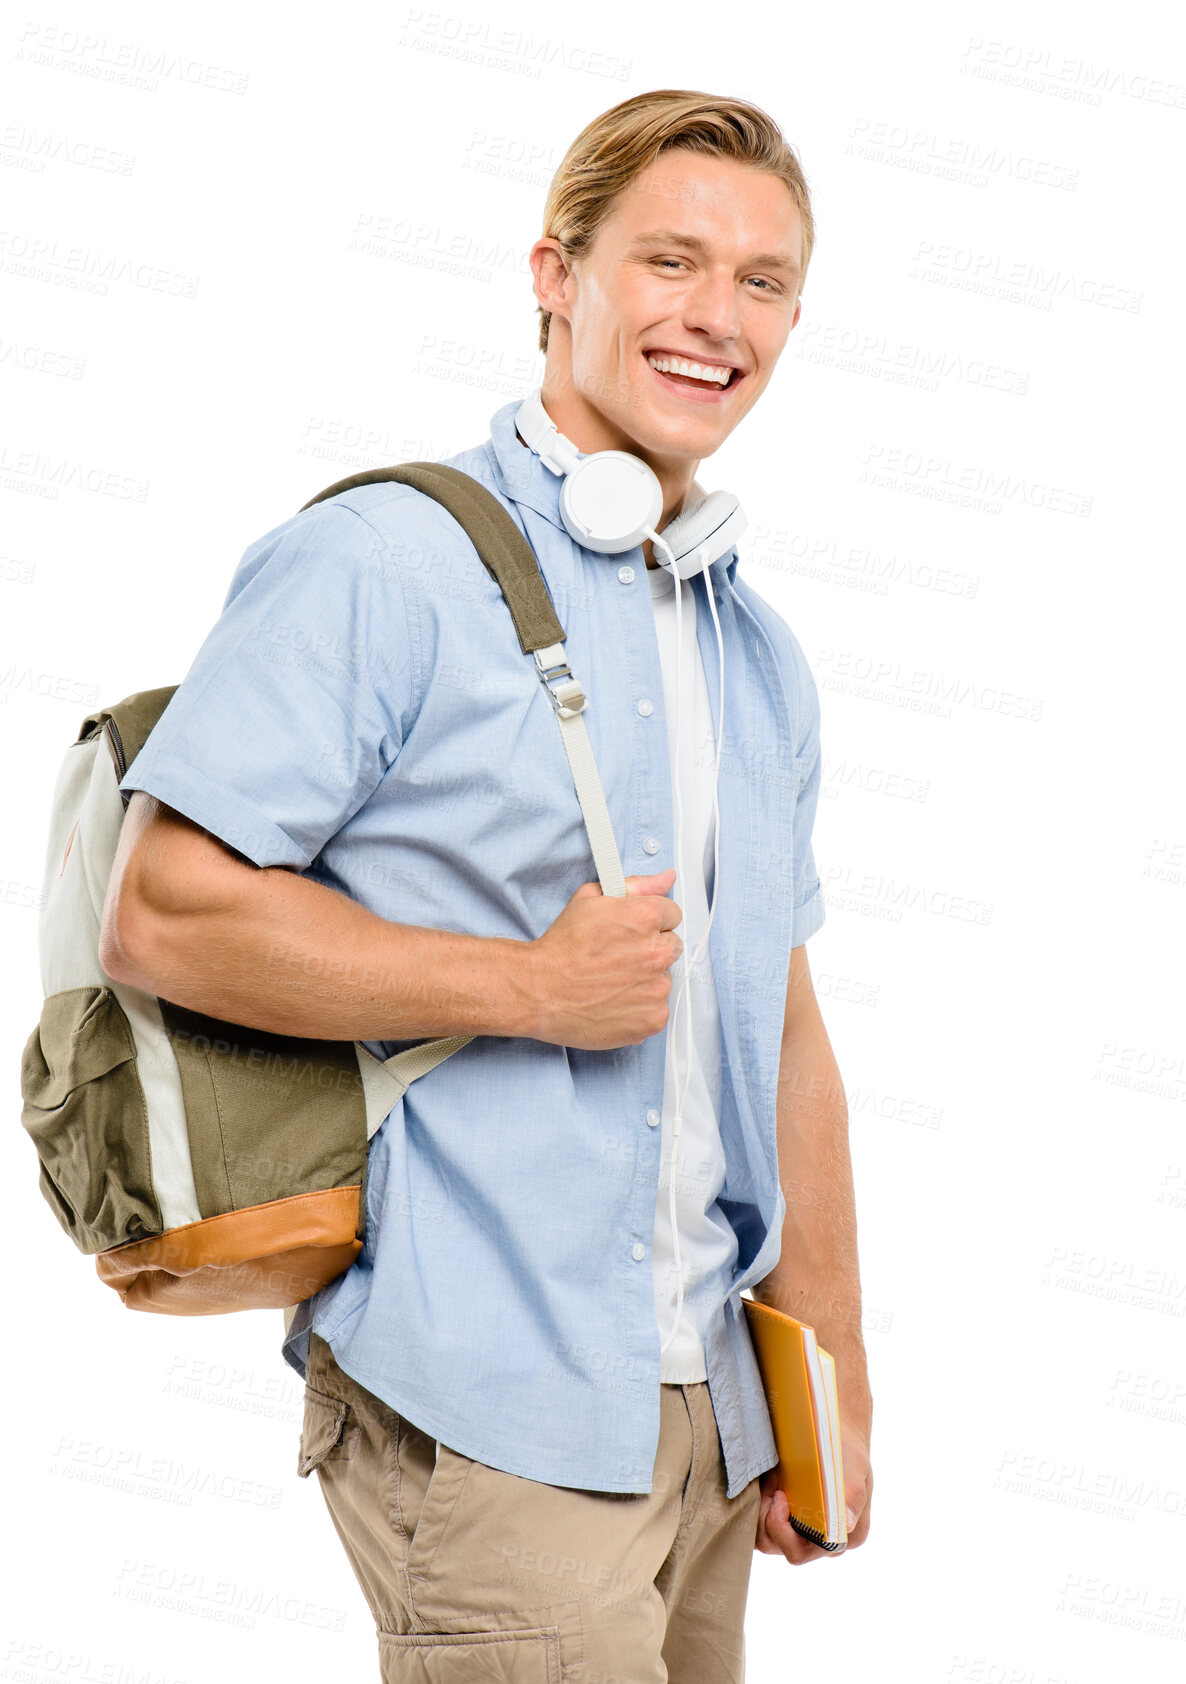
(609, 502)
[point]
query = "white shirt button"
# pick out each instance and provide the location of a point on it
(646, 706)
(651, 845)
(626, 574)
(653, 1117)
(639, 1251)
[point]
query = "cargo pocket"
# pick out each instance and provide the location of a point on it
(325, 1434)
(84, 1108)
(529, 1656)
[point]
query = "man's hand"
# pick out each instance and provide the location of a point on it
(776, 1535)
(602, 970)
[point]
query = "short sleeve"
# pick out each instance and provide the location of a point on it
(291, 711)
(808, 913)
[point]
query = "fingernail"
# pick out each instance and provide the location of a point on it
(850, 1517)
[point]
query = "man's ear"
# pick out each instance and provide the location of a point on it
(553, 274)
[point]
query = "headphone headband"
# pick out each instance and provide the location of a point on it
(537, 430)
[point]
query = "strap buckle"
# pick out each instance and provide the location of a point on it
(564, 691)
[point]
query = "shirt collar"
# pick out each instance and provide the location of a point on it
(521, 476)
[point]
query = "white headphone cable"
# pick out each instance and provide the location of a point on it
(694, 958)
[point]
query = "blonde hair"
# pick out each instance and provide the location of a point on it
(616, 147)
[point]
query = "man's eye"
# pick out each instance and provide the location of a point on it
(676, 262)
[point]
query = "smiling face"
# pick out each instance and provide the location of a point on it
(667, 331)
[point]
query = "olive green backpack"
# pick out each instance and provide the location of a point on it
(207, 1166)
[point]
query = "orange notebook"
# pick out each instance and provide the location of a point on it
(799, 1380)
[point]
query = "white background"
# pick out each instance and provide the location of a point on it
(962, 487)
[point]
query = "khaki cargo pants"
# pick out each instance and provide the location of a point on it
(477, 1575)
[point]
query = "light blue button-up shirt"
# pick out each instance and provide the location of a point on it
(362, 710)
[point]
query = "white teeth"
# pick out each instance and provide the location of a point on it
(698, 371)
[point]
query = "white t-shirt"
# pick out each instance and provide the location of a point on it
(708, 1245)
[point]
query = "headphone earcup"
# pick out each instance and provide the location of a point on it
(609, 500)
(714, 524)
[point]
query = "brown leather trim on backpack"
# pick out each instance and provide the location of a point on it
(267, 1257)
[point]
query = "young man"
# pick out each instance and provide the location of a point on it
(536, 1470)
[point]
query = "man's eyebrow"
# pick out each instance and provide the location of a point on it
(767, 259)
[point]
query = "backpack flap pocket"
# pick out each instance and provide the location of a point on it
(84, 1108)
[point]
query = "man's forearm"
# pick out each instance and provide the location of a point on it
(817, 1276)
(292, 956)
